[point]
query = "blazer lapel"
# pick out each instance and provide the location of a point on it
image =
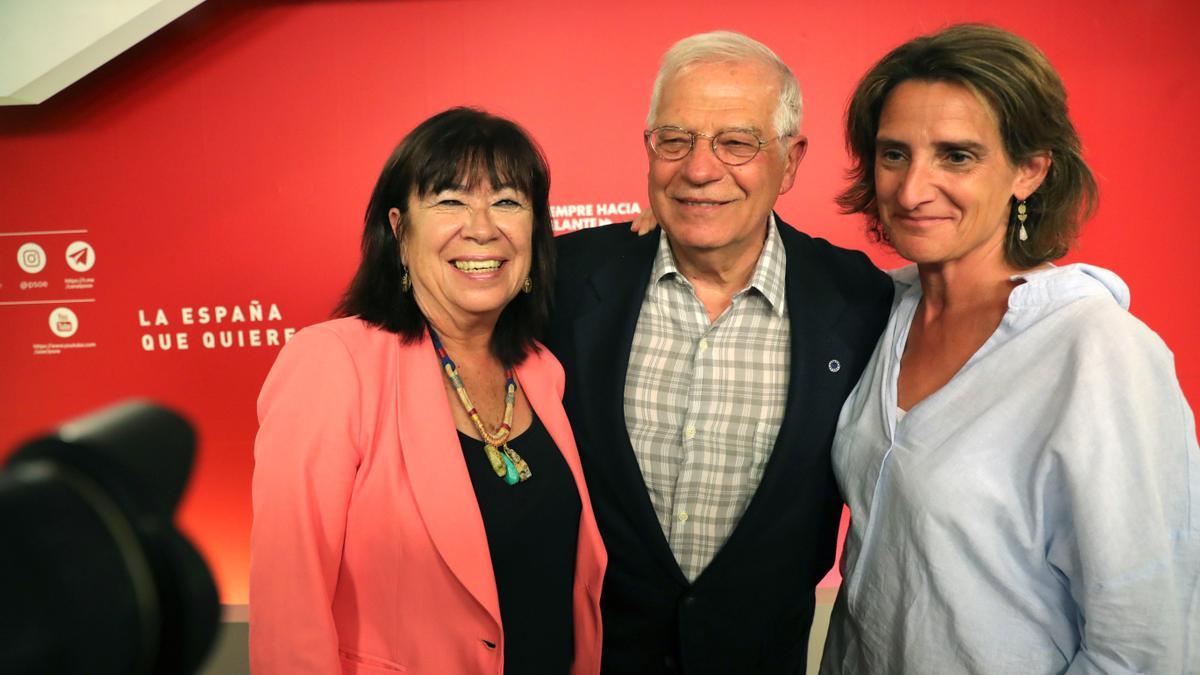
(603, 336)
(536, 381)
(440, 483)
(814, 307)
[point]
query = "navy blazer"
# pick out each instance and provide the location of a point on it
(751, 609)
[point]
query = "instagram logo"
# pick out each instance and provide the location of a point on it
(31, 258)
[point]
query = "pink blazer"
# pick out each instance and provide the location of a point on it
(368, 552)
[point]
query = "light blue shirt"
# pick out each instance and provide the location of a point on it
(1040, 513)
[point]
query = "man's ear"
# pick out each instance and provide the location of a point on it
(797, 146)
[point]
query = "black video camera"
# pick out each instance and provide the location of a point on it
(94, 577)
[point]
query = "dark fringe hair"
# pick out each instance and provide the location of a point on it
(457, 147)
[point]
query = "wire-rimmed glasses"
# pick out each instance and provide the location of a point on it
(732, 146)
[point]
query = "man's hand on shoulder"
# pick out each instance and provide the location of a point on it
(644, 223)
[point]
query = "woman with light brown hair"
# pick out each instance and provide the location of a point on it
(1020, 463)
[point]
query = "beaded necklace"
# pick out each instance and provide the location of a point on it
(504, 460)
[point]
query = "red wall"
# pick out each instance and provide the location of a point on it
(228, 159)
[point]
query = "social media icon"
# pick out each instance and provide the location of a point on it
(81, 256)
(63, 322)
(31, 257)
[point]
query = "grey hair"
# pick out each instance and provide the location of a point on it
(724, 46)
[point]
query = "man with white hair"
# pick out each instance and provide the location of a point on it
(705, 370)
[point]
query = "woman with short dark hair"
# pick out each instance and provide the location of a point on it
(418, 499)
(1020, 464)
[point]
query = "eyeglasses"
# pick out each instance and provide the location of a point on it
(734, 147)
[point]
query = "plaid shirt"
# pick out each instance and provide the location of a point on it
(704, 402)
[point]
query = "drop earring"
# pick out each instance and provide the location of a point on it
(527, 286)
(404, 282)
(1022, 215)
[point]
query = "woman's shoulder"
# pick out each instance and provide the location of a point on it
(346, 355)
(1091, 302)
(349, 329)
(1056, 286)
(337, 346)
(353, 334)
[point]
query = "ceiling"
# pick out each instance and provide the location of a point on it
(46, 45)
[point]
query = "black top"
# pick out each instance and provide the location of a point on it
(532, 532)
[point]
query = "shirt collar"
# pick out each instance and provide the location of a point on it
(769, 273)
